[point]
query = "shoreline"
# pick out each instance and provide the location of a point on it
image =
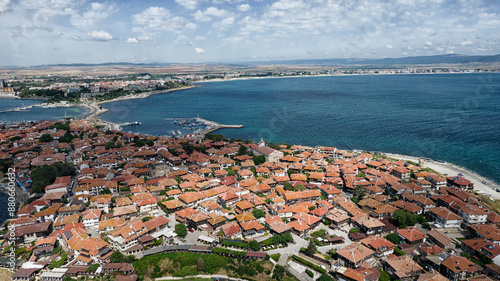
(331, 75)
(145, 94)
(450, 169)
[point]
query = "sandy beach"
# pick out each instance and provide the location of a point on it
(449, 169)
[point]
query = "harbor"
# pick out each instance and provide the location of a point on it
(200, 126)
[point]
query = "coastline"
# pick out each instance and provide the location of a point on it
(329, 75)
(145, 94)
(450, 169)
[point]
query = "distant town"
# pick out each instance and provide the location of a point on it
(102, 204)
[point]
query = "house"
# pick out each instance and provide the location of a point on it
(251, 227)
(457, 268)
(488, 231)
(401, 173)
(480, 247)
(443, 217)
(230, 229)
(381, 246)
(299, 227)
(411, 235)
(403, 268)
(24, 274)
(354, 255)
(441, 239)
(437, 182)
(31, 232)
(94, 250)
(368, 225)
(473, 214)
(90, 218)
(44, 246)
(338, 218)
(197, 219)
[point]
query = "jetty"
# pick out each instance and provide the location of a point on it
(212, 126)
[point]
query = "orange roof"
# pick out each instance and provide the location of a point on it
(298, 225)
(411, 234)
(247, 216)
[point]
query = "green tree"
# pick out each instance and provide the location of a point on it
(46, 138)
(243, 150)
(47, 174)
(258, 213)
(254, 245)
(404, 218)
(325, 277)
(66, 138)
(311, 248)
(384, 276)
(288, 186)
(118, 257)
(109, 145)
(180, 229)
(259, 159)
(93, 267)
(200, 264)
(299, 187)
(394, 238)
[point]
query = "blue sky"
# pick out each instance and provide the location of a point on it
(197, 31)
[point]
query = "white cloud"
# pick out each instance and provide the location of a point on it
(388, 46)
(428, 43)
(88, 19)
(199, 50)
(188, 4)
(288, 4)
(4, 6)
(153, 17)
(211, 12)
(99, 35)
(200, 16)
(466, 43)
(132, 40)
(243, 8)
(225, 23)
(158, 18)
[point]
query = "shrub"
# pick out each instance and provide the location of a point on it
(398, 252)
(308, 263)
(353, 230)
(276, 257)
(310, 273)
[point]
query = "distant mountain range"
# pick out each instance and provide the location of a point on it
(404, 61)
(438, 59)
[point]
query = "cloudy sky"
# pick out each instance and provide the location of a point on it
(37, 32)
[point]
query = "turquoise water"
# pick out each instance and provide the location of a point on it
(449, 117)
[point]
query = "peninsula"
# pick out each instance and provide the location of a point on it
(108, 204)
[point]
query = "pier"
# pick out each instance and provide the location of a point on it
(214, 126)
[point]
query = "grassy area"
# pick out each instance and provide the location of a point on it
(492, 205)
(181, 264)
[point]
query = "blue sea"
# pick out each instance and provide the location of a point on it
(35, 113)
(449, 117)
